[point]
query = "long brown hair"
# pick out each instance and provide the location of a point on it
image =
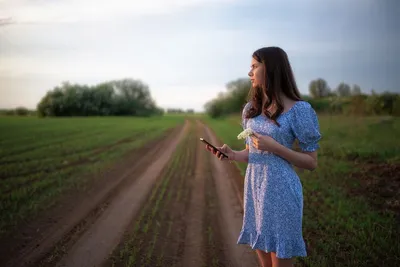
(278, 78)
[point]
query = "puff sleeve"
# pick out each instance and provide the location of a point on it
(305, 127)
(245, 120)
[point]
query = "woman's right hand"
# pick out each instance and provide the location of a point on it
(225, 149)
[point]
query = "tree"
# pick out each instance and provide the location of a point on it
(388, 100)
(356, 90)
(214, 108)
(232, 100)
(119, 97)
(238, 91)
(343, 89)
(319, 88)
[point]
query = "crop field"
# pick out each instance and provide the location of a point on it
(41, 158)
(145, 192)
(351, 201)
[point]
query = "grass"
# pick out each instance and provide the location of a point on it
(342, 228)
(42, 158)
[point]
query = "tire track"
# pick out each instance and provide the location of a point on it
(214, 242)
(194, 253)
(230, 209)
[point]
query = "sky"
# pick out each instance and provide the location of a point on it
(192, 48)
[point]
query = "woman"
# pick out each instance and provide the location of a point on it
(273, 198)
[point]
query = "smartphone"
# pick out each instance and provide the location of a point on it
(204, 141)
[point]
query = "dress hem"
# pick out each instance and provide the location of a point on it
(253, 240)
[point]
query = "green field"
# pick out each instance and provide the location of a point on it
(351, 200)
(41, 158)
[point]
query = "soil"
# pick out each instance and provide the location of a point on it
(170, 203)
(379, 183)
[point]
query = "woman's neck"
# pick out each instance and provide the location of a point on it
(286, 102)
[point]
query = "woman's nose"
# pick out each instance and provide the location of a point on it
(250, 73)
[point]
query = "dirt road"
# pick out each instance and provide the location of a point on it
(169, 204)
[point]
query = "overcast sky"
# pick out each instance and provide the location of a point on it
(192, 48)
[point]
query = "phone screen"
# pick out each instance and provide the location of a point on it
(204, 141)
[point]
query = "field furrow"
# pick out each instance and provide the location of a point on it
(157, 235)
(28, 187)
(83, 155)
(65, 149)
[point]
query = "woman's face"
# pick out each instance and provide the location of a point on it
(256, 73)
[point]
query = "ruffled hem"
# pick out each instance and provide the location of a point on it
(284, 249)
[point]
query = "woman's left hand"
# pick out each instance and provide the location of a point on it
(264, 142)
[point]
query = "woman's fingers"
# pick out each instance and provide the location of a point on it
(218, 154)
(209, 148)
(255, 145)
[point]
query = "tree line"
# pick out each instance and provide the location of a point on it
(344, 99)
(127, 97)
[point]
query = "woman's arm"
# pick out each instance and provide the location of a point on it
(304, 160)
(241, 156)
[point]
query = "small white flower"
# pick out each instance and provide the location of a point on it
(246, 133)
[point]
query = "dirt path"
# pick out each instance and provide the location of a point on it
(194, 250)
(226, 178)
(93, 247)
(173, 205)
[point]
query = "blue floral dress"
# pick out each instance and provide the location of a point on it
(273, 196)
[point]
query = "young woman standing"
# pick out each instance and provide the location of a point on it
(273, 197)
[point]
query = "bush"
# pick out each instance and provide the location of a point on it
(116, 98)
(21, 111)
(396, 106)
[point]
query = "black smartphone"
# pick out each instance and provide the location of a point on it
(204, 141)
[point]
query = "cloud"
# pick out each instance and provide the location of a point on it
(171, 96)
(66, 11)
(177, 46)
